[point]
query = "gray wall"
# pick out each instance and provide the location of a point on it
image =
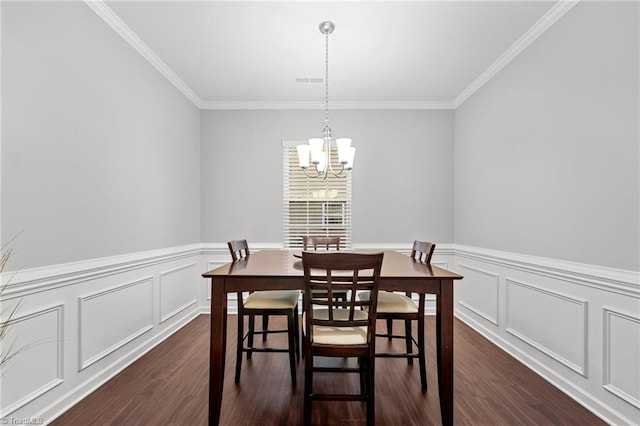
(546, 155)
(100, 154)
(402, 178)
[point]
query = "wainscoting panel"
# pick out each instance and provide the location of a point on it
(38, 365)
(576, 325)
(622, 355)
(213, 265)
(111, 318)
(106, 315)
(532, 312)
(481, 292)
(177, 290)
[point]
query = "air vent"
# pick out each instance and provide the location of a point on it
(309, 80)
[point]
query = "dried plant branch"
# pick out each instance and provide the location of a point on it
(5, 325)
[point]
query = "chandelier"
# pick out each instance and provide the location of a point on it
(318, 151)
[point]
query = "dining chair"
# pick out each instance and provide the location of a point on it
(265, 303)
(329, 243)
(396, 306)
(340, 329)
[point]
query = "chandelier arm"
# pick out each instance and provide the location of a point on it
(341, 173)
(311, 175)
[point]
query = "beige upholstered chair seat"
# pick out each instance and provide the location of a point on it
(338, 335)
(392, 302)
(273, 299)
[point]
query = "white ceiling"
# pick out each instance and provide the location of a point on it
(420, 53)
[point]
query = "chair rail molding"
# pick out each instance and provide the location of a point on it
(28, 281)
(604, 278)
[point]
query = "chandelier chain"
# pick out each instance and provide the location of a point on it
(326, 81)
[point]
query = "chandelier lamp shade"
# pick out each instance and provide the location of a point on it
(315, 158)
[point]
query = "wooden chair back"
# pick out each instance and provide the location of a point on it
(342, 272)
(314, 242)
(422, 251)
(239, 249)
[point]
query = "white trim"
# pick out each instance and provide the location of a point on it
(179, 309)
(578, 368)
(5, 411)
(124, 341)
(606, 358)
(317, 105)
(476, 310)
(122, 29)
(88, 386)
(614, 281)
(580, 394)
(222, 248)
(39, 279)
(548, 19)
(608, 279)
(28, 281)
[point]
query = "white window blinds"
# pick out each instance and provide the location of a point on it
(314, 206)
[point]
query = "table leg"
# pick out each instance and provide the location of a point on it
(217, 348)
(444, 342)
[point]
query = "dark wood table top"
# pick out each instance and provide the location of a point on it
(283, 264)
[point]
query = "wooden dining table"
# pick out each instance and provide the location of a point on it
(282, 270)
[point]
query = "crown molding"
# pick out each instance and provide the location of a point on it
(114, 21)
(320, 105)
(556, 12)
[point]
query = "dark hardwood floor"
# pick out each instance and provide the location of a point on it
(169, 386)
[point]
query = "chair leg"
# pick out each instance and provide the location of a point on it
(371, 412)
(302, 329)
(389, 328)
(292, 346)
(421, 353)
(239, 346)
(265, 326)
(363, 375)
(252, 329)
(296, 331)
(407, 339)
(308, 387)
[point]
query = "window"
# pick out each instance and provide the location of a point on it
(313, 206)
